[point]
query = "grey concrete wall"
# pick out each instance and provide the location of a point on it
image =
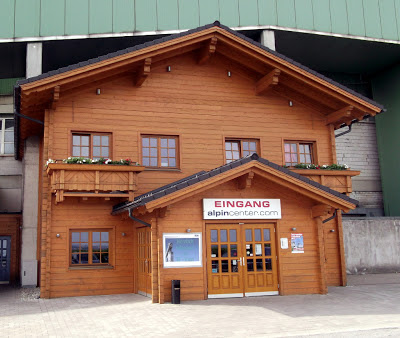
(10, 170)
(358, 149)
(30, 214)
(372, 245)
(30, 183)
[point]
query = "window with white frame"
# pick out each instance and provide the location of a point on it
(6, 136)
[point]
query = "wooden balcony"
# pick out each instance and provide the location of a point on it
(93, 180)
(339, 180)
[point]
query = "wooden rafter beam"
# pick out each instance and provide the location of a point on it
(245, 181)
(340, 114)
(207, 51)
(254, 55)
(268, 81)
(321, 210)
(143, 72)
(55, 98)
(164, 212)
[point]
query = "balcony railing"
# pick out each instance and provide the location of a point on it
(93, 180)
(339, 180)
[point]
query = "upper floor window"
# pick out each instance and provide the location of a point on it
(238, 148)
(298, 152)
(90, 247)
(6, 136)
(160, 151)
(91, 145)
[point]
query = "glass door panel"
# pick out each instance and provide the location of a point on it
(260, 272)
(223, 254)
(241, 260)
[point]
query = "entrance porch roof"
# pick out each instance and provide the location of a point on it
(205, 180)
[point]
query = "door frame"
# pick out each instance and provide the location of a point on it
(145, 229)
(276, 228)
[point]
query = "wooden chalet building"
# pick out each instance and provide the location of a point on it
(217, 123)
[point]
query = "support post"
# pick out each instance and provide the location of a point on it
(268, 39)
(321, 250)
(154, 262)
(33, 59)
(31, 171)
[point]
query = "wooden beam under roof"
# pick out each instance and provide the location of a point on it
(143, 72)
(207, 51)
(55, 98)
(245, 181)
(267, 81)
(340, 114)
(295, 71)
(235, 55)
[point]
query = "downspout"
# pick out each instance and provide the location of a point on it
(138, 220)
(351, 123)
(332, 217)
(17, 116)
(345, 132)
(17, 102)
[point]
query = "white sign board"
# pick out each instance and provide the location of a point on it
(231, 208)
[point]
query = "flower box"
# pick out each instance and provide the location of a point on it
(93, 180)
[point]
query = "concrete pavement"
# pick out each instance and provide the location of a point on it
(367, 310)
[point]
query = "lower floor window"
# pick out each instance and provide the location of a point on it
(90, 247)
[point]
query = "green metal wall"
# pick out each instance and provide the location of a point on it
(386, 89)
(7, 85)
(41, 18)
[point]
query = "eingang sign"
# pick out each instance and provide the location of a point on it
(233, 208)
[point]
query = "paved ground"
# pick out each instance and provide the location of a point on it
(368, 310)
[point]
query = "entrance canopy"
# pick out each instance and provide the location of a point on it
(243, 170)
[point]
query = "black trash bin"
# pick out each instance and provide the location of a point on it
(175, 291)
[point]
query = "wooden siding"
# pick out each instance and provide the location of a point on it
(73, 214)
(299, 273)
(9, 226)
(202, 106)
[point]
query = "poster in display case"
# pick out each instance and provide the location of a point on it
(182, 250)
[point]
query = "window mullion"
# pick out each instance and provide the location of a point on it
(90, 248)
(91, 146)
(298, 152)
(158, 152)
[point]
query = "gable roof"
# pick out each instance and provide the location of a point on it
(189, 32)
(200, 179)
(340, 104)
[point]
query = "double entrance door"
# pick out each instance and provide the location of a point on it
(241, 260)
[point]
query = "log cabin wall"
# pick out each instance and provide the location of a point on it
(199, 104)
(66, 280)
(202, 106)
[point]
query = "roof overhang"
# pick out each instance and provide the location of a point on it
(270, 70)
(203, 181)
